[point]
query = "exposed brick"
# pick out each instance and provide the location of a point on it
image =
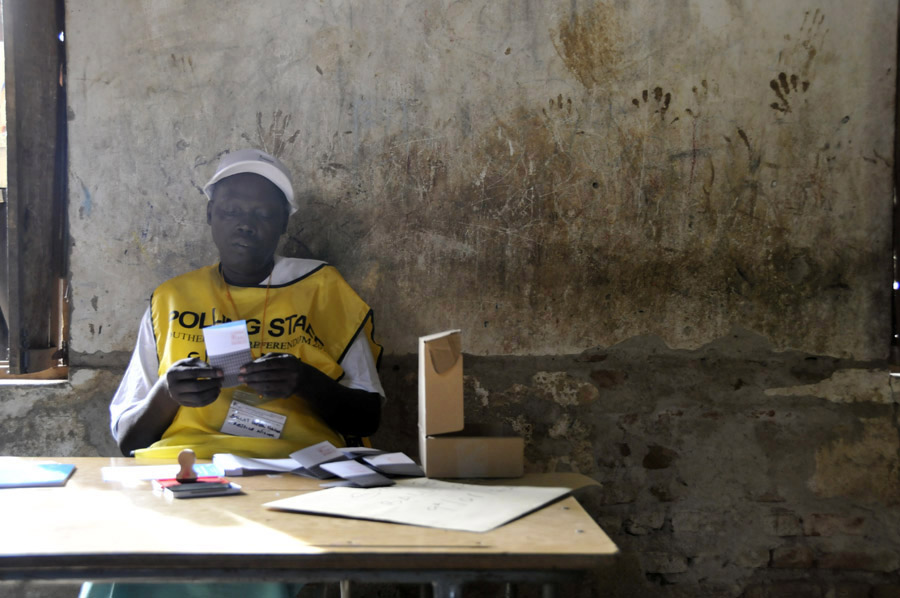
(663, 562)
(644, 522)
(753, 559)
(825, 524)
(881, 561)
(703, 561)
(782, 523)
(672, 489)
(889, 591)
(611, 524)
(767, 496)
(662, 493)
(694, 522)
(622, 491)
(850, 590)
(658, 457)
(608, 378)
(785, 589)
(793, 557)
(595, 358)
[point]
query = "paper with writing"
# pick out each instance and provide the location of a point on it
(427, 502)
(246, 420)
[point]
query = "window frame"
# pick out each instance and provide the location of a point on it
(37, 177)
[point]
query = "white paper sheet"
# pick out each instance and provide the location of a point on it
(133, 473)
(395, 464)
(233, 465)
(313, 456)
(427, 502)
(357, 473)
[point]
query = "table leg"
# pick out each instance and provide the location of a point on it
(345, 588)
(447, 589)
(510, 590)
(548, 590)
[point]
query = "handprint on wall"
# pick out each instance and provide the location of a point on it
(273, 139)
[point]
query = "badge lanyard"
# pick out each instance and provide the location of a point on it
(262, 327)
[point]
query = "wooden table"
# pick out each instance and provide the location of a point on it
(95, 530)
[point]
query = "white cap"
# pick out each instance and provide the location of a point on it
(256, 162)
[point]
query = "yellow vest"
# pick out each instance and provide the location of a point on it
(315, 317)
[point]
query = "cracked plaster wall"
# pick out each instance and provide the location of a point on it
(664, 229)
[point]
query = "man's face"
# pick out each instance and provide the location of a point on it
(247, 217)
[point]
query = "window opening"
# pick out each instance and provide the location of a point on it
(33, 191)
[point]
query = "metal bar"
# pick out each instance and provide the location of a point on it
(422, 576)
(447, 589)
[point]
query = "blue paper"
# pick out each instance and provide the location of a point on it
(26, 475)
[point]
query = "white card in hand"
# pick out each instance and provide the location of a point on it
(228, 348)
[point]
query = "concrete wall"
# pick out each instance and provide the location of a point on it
(664, 229)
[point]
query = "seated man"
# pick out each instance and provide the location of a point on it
(310, 335)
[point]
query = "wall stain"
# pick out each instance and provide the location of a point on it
(862, 465)
(614, 198)
(183, 63)
(660, 101)
(798, 58)
(589, 44)
(87, 204)
(812, 37)
(782, 86)
(275, 138)
(643, 201)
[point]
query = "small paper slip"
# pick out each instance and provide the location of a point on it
(238, 466)
(357, 474)
(23, 474)
(313, 456)
(228, 348)
(353, 452)
(394, 464)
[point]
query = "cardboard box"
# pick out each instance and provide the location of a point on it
(448, 447)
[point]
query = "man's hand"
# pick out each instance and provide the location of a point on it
(350, 411)
(274, 375)
(193, 383)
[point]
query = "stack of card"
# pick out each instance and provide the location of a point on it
(228, 348)
(356, 466)
(205, 486)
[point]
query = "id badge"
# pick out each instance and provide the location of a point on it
(249, 398)
(246, 420)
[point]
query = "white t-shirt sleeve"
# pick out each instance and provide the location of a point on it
(140, 376)
(359, 367)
